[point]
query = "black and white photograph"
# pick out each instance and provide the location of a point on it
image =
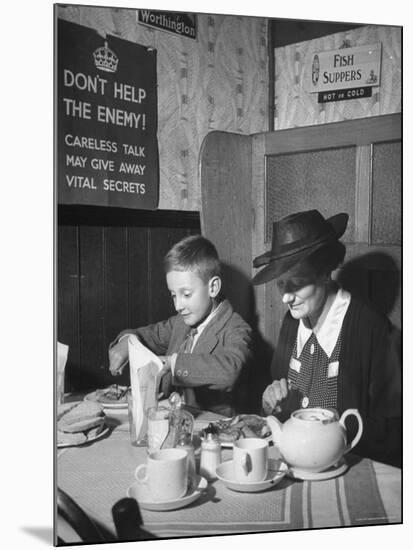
(226, 213)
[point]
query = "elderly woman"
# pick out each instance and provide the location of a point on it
(333, 351)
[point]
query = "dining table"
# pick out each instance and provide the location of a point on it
(96, 475)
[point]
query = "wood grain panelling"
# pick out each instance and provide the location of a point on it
(227, 219)
(313, 179)
(92, 300)
(160, 241)
(115, 283)
(68, 280)
(363, 190)
(225, 173)
(387, 193)
(110, 277)
(138, 278)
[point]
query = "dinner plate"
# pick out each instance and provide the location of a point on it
(201, 425)
(107, 403)
(277, 469)
(88, 440)
(334, 471)
(139, 492)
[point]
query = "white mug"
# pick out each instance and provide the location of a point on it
(165, 474)
(250, 459)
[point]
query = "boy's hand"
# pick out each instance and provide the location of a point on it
(118, 357)
(165, 386)
(274, 394)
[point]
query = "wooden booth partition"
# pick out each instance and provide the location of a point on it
(226, 214)
(227, 219)
(110, 277)
(354, 166)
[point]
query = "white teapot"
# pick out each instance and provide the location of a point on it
(313, 439)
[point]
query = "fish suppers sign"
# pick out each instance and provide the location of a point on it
(107, 150)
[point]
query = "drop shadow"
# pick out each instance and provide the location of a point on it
(45, 534)
(255, 376)
(357, 276)
(381, 293)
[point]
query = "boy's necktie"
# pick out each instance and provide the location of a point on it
(189, 341)
(188, 393)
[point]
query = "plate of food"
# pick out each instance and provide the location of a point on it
(112, 397)
(80, 423)
(237, 427)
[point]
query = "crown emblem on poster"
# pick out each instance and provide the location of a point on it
(105, 59)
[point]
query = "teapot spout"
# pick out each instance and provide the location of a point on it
(276, 429)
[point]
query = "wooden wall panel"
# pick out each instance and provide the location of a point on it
(138, 277)
(225, 172)
(311, 179)
(115, 280)
(161, 239)
(228, 217)
(115, 291)
(387, 193)
(91, 304)
(68, 328)
(110, 277)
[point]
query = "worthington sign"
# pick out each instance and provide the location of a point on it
(183, 24)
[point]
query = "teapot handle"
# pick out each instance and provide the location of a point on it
(357, 437)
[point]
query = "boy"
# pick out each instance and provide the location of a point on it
(205, 346)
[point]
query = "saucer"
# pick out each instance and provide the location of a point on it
(333, 471)
(105, 429)
(276, 471)
(139, 492)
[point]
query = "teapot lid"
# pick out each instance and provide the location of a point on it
(316, 414)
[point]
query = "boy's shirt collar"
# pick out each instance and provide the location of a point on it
(204, 323)
(199, 330)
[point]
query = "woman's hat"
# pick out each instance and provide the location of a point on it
(294, 238)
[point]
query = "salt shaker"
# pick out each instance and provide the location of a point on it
(210, 455)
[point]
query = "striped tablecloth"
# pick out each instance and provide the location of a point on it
(98, 475)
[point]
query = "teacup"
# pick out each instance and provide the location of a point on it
(165, 474)
(250, 458)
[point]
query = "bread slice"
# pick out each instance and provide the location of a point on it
(84, 416)
(64, 408)
(82, 425)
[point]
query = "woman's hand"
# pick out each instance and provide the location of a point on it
(274, 394)
(118, 357)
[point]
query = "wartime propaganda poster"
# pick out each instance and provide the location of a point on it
(106, 119)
